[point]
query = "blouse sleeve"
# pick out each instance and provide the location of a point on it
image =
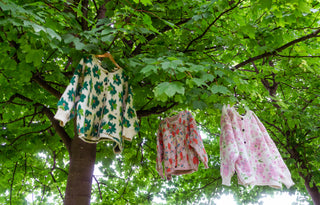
(130, 119)
(68, 98)
(228, 148)
(196, 142)
(159, 152)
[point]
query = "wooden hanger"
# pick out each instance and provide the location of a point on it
(108, 55)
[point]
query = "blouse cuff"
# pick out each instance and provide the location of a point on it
(62, 116)
(226, 181)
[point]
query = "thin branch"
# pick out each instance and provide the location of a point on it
(60, 130)
(267, 54)
(278, 128)
(100, 193)
(154, 110)
(54, 180)
(11, 186)
(55, 123)
(208, 28)
(149, 38)
(45, 85)
(297, 56)
(15, 139)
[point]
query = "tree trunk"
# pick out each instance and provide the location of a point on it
(313, 191)
(82, 159)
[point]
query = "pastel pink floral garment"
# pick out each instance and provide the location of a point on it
(179, 146)
(246, 147)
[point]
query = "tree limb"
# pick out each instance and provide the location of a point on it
(46, 86)
(267, 54)
(137, 50)
(154, 110)
(60, 130)
(208, 28)
(37, 131)
(11, 187)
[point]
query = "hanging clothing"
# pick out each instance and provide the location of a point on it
(246, 147)
(179, 146)
(103, 102)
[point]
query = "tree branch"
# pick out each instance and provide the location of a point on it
(267, 54)
(33, 132)
(98, 186)
(154, 110)
(45, 85)
(60, 130)
(208, 28)
(137, 50)
(11, 186)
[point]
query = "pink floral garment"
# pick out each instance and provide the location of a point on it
(246, 147)
(179, 146)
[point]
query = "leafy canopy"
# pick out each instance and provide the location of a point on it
(195, 55)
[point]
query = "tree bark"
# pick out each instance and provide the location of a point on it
(313, 191)
(82, 159)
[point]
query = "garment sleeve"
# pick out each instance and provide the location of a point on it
(160, 153)
(228, 148)
(195, 141)
(130, 119)
(284, 174)
(68, 98)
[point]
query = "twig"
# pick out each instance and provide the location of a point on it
(208, 28)
(98, 186)
(267, 54)
(11, 187)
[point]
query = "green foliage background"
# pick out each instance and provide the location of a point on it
(195, 55)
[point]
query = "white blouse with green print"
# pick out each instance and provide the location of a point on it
(104, 104)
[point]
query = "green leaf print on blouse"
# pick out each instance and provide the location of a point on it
(63, 104)
(131, 113)
(98, 87)
(99, 113)
(78, 70)
(112, 89)
(96, 72)
(110, 128)
(126, 123)
(87, 125)
(116, 79)
(88, 113)
(85, 86)
(113, 104)
(87, 59)
(80, 129)
(121, 96)
(136, 126)
(73, 80)
(87, 71)
(82, 97)
(95, 102)
(111, 117)
(71, 95)
(105, 111)
(79, 111)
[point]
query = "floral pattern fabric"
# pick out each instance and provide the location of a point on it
(246, 148)
(103, 104)
(179, 146)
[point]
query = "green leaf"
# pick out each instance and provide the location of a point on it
(35, 57)
(219, 89)
(144, 2)
(169, 89)
(149, 69)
